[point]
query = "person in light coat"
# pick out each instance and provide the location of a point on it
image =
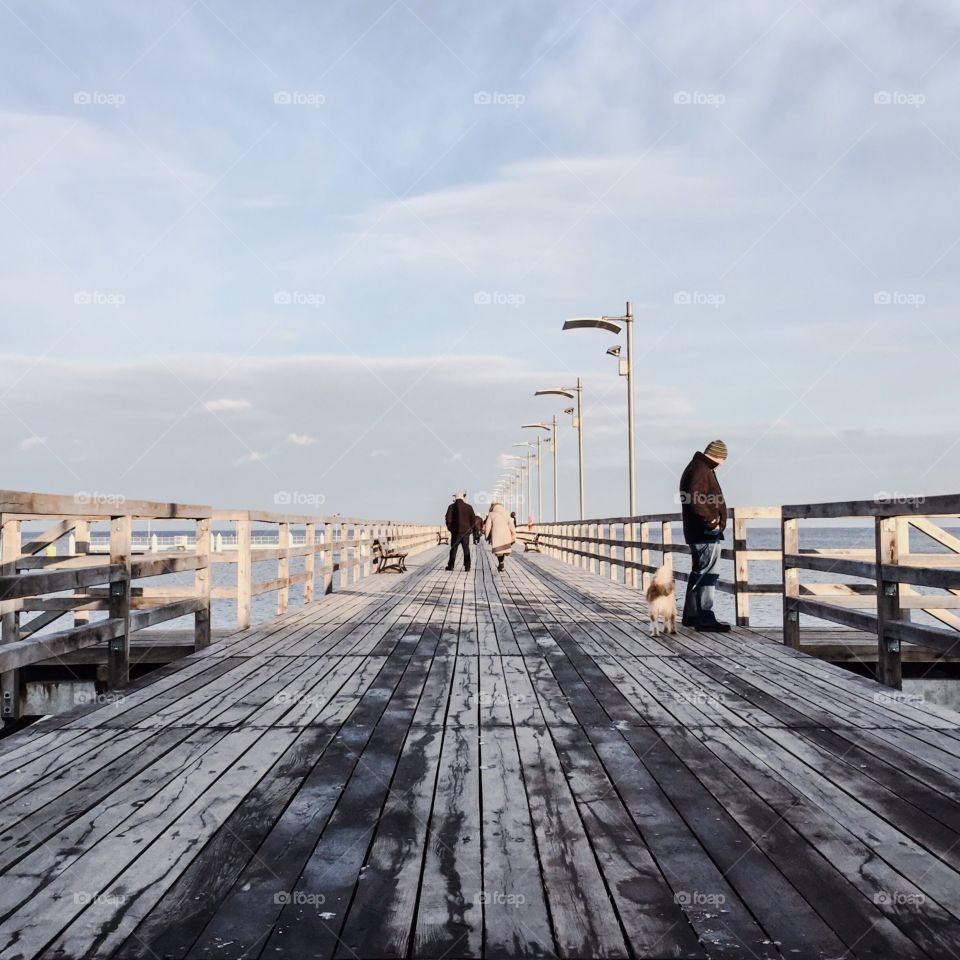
(501, 532)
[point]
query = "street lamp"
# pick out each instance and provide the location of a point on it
(529, 455)
(613, 325)
(523, 463)
(552, 430)
(570, 393)
(625, 366)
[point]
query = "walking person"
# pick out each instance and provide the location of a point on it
(501, 531)
(460, 520)
(478, 522)
(704, 521)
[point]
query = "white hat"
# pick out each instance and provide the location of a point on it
(460, 495)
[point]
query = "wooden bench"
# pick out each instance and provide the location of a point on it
(387, 559)
(532, 546)
(442, 538)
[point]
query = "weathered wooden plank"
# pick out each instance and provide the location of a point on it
(450, 915)
(585, 923)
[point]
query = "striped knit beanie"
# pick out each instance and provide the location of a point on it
(716, 449)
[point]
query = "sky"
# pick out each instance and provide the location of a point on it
(319, 254)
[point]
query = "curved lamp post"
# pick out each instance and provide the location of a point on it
(552, 430)
(570, 393)
(614, 325)
(529, 455)
(520, 468)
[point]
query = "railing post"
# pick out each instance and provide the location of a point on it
(645, 553)
(310, 562)
(358, 553)
(889, 667)
(121, 534)
(629, 574)
(244, 572)
(741, 571)
(202, 585)
(10, 546)
(593, 531)
(283, 568)
(666, 539)
(81, 547)
(327, 561)
(790, 538)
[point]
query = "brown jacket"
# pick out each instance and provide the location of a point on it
(702, 503)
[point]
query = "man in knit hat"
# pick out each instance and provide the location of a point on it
(460, 520)
(704, 521)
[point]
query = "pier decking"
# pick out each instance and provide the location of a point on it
(479, 765)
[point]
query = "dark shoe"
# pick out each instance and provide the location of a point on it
(690, 623)
(714, 626)
(466, 569)
(449, 569)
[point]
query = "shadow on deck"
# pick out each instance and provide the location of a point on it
(449, 765)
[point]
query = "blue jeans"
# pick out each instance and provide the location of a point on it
(705, 561)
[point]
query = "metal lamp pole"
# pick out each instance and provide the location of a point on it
(570, 393)
(556, 473)
(548, 428)
(613, 325)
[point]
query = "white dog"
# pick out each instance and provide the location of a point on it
(662, 602)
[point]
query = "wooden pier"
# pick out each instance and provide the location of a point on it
(438, 765)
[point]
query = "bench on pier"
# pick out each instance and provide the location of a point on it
(532, 546)
(386, 558)
(442, 538)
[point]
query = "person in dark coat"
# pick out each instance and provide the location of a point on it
(477, 529)
(460, 521)
(704, 521)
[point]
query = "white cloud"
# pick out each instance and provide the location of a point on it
(225, 405)
(301, 439)
(29, 443)
(252, 457)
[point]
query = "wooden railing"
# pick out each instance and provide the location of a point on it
(887, 578)
(613, 544)
(105, 599)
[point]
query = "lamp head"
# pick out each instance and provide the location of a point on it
(614, 351)
(587, 323)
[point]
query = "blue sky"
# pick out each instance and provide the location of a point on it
(249, 249)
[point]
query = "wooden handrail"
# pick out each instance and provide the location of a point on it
(605, 545)
(58, 560)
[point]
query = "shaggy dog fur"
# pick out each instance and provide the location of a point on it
(662, 602)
